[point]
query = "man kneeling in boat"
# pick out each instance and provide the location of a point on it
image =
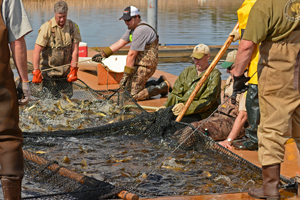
(228, 123)
(141, 59)
(207, 99)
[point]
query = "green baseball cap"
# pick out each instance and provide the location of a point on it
(230, 59)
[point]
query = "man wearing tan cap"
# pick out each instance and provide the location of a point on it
(227, 124)
(208, 97)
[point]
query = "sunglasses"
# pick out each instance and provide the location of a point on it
(128, 20)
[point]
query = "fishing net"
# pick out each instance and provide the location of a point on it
(81, 143)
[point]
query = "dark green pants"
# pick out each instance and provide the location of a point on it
(253, 113)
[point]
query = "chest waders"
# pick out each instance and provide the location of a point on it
(279, 97)
(144, 67)
(11, 139)
(57, 55)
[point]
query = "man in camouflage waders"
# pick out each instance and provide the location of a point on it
(57, 44)
(141, 59)
(275, 25)
(14, 25)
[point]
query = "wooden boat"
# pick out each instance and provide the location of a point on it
(174, 53)
(289, 167)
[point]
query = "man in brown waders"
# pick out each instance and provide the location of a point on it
(141, 59)
(14, 25)
(57, 44)
(274, 24)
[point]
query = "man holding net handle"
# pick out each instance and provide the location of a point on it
(14, 25)
(142, 58)
(275, 25)
(57, 44)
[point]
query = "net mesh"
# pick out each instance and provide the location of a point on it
(80, 143)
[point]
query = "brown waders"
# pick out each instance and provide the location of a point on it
(54, 81)
(11, 139)
(279, 100)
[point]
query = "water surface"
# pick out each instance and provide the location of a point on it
(179, 22)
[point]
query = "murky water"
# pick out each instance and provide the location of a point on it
(179, 22)
(125, 160)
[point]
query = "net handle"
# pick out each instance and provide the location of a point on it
(206, 74)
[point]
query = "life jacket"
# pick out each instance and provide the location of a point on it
(243, 14)
(56, 55)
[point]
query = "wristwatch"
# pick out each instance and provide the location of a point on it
(229, 140)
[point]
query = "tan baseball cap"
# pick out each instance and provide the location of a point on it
(230, 59)
(200, 50)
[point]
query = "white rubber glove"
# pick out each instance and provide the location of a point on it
(162, 107)
(24, 93)
(236, 35)
(177, 109)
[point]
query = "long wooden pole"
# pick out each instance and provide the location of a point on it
(206, 74)
(70, 174)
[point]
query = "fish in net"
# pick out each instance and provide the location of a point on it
(133, 151)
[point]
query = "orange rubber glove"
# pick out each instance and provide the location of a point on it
(37, 76)
(72, 76)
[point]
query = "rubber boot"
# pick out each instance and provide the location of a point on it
(271, 179)
(11, 189)
(162, 89)
(157, 82)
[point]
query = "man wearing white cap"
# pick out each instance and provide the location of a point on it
(208, 97)
(141, 59)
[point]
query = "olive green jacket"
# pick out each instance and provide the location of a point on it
(208, 97)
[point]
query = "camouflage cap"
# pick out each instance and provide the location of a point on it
(200, 50)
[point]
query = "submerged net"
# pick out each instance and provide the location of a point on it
(89, 144)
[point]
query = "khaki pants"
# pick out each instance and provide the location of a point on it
(279, 100)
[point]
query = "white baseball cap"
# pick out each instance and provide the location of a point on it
(130, 12)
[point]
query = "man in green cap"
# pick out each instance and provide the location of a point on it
(208, 97)
(228, 123)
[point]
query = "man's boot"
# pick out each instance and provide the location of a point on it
(11, 189)
(162, 89)
(161, 79)
(271, 179)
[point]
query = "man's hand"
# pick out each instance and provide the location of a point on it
(37, 76)
(239, 84)
(24, 93)
(72, 76)
(97, 58)
(162, 107)
(226, 144)
(105, 53)
(124, 80)
(128, 71)
(236, 35)
(177, 109)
